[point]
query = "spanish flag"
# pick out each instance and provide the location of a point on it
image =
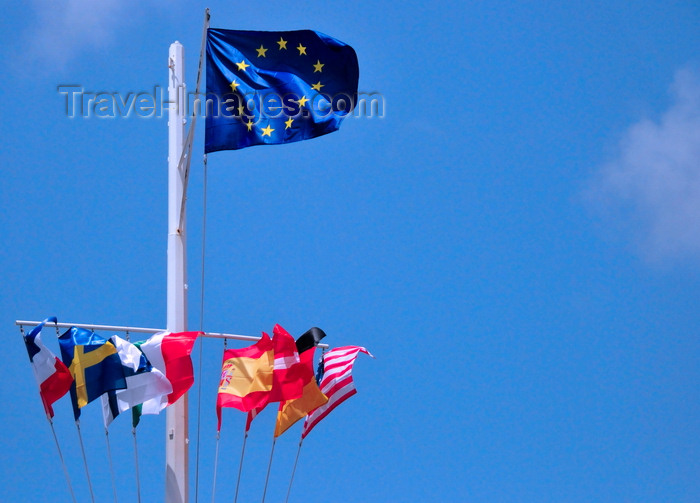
(246, 377)
(292, 411)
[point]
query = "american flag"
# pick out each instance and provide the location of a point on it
(336, 383)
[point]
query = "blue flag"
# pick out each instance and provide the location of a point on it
(266, 88)
(94, 364)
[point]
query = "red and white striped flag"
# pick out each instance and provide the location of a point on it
(336, 383)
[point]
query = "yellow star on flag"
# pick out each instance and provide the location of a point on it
(282, 43)
(317, 86)
(318, 67)
(303, 101)
(249, 125)
(288, 123)
(261, 51)
(241, 110)
(267, 131)
(242, 66)
(234, 85)
(301, 49)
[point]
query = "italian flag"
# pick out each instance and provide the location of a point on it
(170, 353)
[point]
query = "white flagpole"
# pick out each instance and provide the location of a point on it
(176, 421)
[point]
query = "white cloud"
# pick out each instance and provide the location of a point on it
(63, 29)
(653, 185)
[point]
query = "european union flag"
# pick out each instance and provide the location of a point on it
(266, 88)
(94, 364)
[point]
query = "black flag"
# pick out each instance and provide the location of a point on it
(309, 339)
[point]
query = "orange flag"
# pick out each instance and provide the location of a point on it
(292, 411)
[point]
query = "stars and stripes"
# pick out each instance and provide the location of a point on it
(336, 382)
(272, 370)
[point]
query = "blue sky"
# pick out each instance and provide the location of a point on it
(516, 240)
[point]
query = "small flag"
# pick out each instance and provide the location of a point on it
(267, 88)
(288, 375)
(52, 376)
(143, 383)
(170, 353)
(336, 382)
(306, 341)
(94, 364)
(309, 339)
(246, 377)
(293, 410)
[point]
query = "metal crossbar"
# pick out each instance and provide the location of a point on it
(143, 330)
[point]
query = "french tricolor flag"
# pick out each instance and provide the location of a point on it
(51, 374)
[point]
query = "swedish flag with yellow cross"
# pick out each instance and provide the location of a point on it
(94, 364)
